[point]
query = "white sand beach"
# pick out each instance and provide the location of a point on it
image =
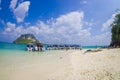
(62, 65)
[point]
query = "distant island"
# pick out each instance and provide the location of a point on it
(25, 39)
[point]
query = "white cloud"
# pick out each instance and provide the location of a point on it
(10, 27)
(107, 24)
(67, 28)
(101, 39)
(20, 11)
(13, 4)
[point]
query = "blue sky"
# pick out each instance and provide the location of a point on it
(84, 22)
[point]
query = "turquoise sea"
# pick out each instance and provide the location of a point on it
(10, 47)
(15, 61)
(21, 47)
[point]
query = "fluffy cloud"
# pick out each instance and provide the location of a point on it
(13, 4)
(10, 27)
(101, 39)
(67, 28)
(107, 24)
(20, 11)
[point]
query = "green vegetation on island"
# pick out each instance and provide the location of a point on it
(25, 39)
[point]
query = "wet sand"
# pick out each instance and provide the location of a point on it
(62, 65)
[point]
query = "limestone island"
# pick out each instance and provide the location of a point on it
(25, 39)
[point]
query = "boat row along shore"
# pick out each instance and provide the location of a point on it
(43, 47)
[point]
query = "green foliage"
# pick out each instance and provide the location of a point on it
(23, 41)
(116, 31)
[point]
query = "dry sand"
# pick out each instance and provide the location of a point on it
(63, 65)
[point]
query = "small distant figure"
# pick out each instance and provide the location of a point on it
(36, 48)
(40, 47)
(29, 47)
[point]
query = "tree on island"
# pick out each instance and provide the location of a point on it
(116, 31)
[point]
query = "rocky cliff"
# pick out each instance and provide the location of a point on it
(26, 38)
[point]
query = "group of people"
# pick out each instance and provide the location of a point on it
(38, 48)
(31, 47)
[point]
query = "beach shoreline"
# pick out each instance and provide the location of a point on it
(62, 65)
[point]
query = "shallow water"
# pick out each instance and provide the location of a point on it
(16, 63)
(20, 64)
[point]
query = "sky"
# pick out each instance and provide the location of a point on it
(85, 22)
